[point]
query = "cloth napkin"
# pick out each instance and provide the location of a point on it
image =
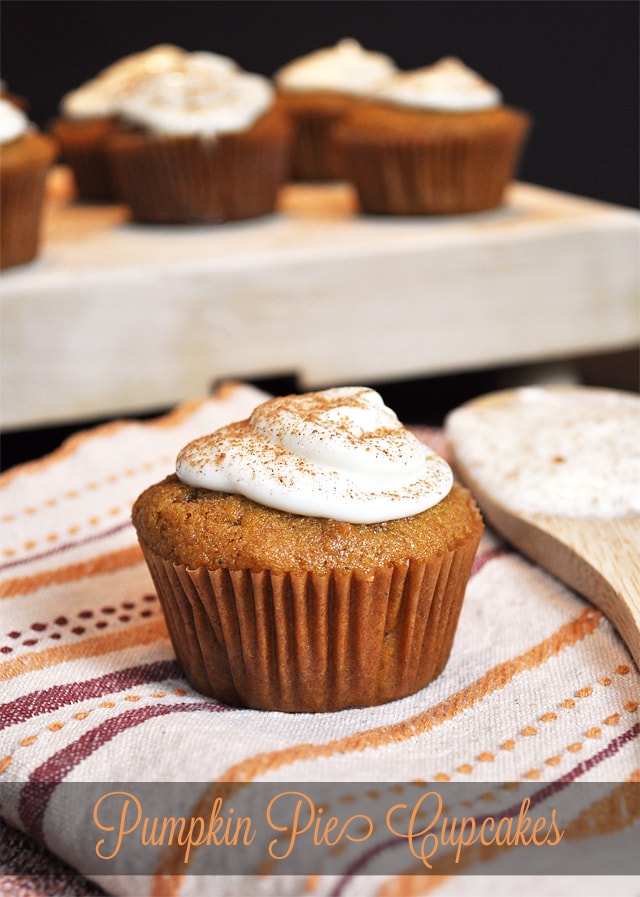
(539, 694)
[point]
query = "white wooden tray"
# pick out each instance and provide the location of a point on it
(120, 318)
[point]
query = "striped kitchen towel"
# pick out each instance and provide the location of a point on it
(539, 699)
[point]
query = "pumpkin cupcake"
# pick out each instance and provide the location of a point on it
(437, 140)
(89, 113)
(25, 157)
(316, 90)
(202, 143)
(311, 558)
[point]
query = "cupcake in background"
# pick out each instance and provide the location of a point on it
(89, 113)
(311, 558)
(201, 143)
(25, 157)
(435, 140)
(316, 90)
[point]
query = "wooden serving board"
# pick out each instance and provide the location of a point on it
(115, 317)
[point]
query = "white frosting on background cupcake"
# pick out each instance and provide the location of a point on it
(448, 86)
(345, 67)
(100, 97)
(13, 122)
(204, 95)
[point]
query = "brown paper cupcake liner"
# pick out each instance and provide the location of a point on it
(314, 116)
(433, 174)
(83, 147)
(188, 179)
(306, 642)
(315, 156)
(22, 189)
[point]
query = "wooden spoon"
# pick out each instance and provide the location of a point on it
(597, 557)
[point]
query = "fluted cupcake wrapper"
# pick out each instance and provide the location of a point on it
(21, 200)
(192, 179)
(84, 149)
(314, 116)
(309, 642)
(315, 155)
(438, 174)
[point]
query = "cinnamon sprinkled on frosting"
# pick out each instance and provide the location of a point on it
(340, 453)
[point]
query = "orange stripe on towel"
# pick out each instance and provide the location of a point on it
(615, 812)
(173, 418)
(142, 634)
(168, 880)
(492, 681)
(96, 566)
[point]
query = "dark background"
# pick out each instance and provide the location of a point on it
(572, 63)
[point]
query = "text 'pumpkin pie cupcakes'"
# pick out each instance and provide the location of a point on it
(89, 113)
(202, 143)
(25, 157)
(311, 558)
(316, 90)
(436, 140)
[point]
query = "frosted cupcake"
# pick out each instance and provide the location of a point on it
(89, 113)
(311, 558)
(316, 90)
(436, 140)
(202, 143)
(25, 157)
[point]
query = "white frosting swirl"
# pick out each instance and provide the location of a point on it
(100, 97)
(573, 452)
(340, 453)
(13, 122)
(447, 86)
(204, 95)
(346, 68)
